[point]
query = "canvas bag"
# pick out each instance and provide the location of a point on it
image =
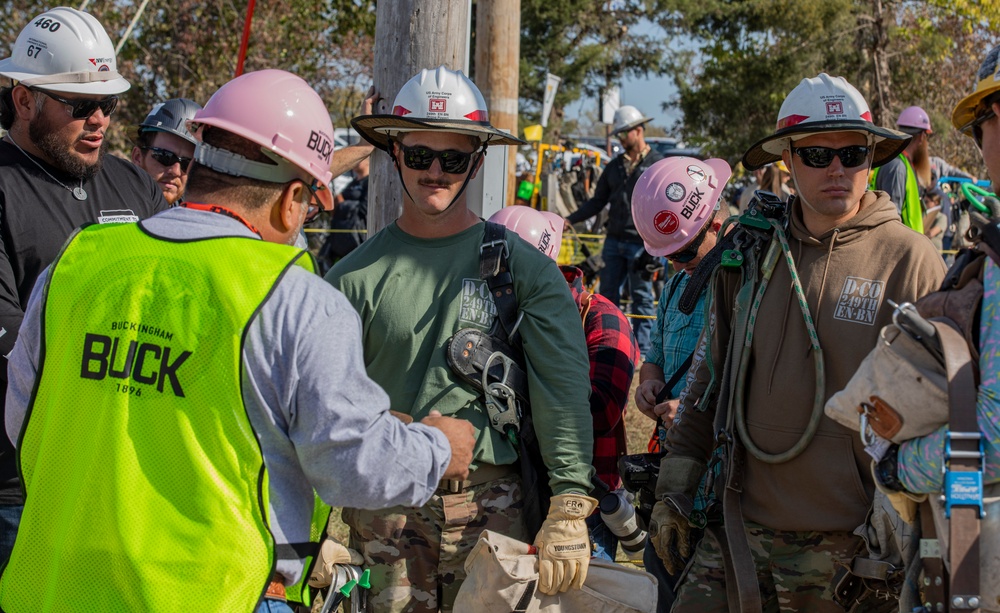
(502, 577)
(906, 378)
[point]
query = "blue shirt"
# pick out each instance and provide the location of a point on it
(675, 334)
(920, 458)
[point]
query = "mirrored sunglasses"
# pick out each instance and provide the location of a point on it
(821, 157)
(83, 109)
(168, 158)
(421, 158)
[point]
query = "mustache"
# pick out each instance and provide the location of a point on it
(433, 183)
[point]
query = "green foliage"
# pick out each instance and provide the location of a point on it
(589, 44)
(189, 48)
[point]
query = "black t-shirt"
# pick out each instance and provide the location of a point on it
(37, 215)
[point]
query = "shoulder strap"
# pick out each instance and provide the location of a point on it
(495, 270)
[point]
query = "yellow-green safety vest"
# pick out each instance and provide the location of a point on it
(911, 211)
(145, 484)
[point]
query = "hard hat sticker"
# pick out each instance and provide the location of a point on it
(696, 173)
(666, 222)
(676, 192)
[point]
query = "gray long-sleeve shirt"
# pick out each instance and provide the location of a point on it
(321, 422)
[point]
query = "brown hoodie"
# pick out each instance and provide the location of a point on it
(847, 274)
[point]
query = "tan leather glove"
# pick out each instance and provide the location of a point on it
(668, 527)
(563, 543)
(332, 553)
(905, 503)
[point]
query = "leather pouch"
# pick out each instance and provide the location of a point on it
(884, 420)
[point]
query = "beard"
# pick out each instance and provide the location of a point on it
(921, 162)
(44, 137)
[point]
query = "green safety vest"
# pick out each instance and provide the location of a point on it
(145, 484)
(912, 213)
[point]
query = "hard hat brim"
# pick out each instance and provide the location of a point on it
(888, 143)
(374, 128)
(965, 110)
(100, 88)
(631, 126)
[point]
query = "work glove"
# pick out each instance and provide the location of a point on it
(904, 502)
(563, 543)
(669, 529)
(332, 553)
(670, 532)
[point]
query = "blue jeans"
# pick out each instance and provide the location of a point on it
(274, 606)
(619, 261)
(10, 519)
(605, 541)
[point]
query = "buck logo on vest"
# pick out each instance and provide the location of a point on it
(100, 360)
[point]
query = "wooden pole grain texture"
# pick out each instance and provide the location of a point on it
(410, 35)
(498, 57)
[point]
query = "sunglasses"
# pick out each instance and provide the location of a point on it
(976, 126)
(421, 158)
(167, 158)
(315, 207)
(821, 157)
(83, 109)
(691, 252)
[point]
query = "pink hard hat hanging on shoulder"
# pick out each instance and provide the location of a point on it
(674, 199)
(542, 229)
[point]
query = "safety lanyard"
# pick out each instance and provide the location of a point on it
(218, 208)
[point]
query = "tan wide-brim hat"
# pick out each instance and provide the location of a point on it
(377, 129)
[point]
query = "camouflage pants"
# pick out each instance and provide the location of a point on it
(794, 569)
(417, 555)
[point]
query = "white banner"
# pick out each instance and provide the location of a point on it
(610, 102)
(551, 85)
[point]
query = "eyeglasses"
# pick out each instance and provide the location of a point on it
(976, 126)
(168, 158)
(691, 252)
(421, 158)
(821, 157)
(315, 207)
(83, 109)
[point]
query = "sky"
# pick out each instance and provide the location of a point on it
(647, 95)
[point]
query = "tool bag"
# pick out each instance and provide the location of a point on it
(502, 577)
(493, 363)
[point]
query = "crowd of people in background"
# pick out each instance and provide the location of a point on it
(188, 392)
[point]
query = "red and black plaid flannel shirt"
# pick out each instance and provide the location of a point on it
(614, 355)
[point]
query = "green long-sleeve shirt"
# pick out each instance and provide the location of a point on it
(413, 294)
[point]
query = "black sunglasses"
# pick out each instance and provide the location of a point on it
(976, 126)
(821, 157)
(168, 158)
(421, 158)
(83, 109)
(691, 251)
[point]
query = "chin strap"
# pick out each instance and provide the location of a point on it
(477, 155)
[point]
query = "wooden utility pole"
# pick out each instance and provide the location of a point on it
(498, 56)
(410, 35)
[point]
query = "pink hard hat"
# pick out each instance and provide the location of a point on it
(280, 112)
(540, 228)
(674, 199)
(914, 117)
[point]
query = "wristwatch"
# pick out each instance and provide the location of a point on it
(887, 470)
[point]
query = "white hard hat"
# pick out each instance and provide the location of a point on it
(434, 100)
(626, 118)
(65, 50)
(824, 104)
